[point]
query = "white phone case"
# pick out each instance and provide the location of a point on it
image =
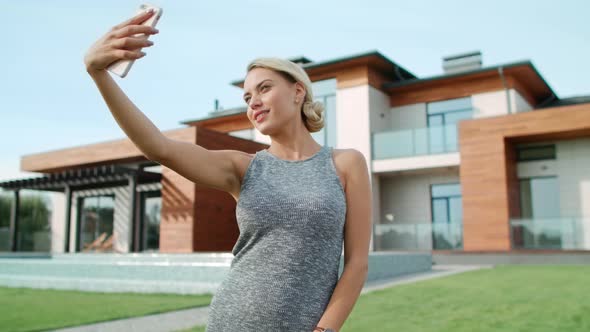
(121, 67)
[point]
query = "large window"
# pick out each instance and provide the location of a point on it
(96, 223)
(540, 225)
(442, 119)
(539, 197)
(6, 198)
(447, 216)
(449, 111)
(150, 218)
(325, 92)
(533, 153)
(34, 221)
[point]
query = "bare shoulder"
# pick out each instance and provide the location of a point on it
(348, 161)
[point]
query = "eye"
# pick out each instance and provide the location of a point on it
(247, 100)
(263, 88)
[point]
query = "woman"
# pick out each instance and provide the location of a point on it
(297, 201)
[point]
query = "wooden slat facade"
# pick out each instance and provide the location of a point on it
(103, 153)
(488, 176)
(534, 91)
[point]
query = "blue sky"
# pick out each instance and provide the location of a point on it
(48, 102)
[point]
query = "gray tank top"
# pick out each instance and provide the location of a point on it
(286, 260)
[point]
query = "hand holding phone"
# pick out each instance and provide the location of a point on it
(121, 45)
(121, 67)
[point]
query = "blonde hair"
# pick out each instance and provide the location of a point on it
(311, 112)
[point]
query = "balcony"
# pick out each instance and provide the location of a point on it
(415, 142)
(571, 233)
(419, 236)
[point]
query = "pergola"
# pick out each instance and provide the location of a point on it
(77, 179)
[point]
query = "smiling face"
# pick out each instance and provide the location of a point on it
(273, 96)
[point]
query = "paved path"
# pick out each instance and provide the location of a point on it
(437, 272)
(184, 319)
(166, 322)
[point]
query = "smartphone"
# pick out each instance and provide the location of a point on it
(121, 67)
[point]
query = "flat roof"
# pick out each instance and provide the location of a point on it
(81, 178)
(218, 114)
(401, 72)
(466, 73)
(567, 101)
(548, 94)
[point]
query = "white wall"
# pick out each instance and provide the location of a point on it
(417, 162)
(573, 167)
(354, 130)
(528, 169)
(408, 116)
(407, 199)
(489, 104)
(407, 196)
(518, 103)
(485, 104)
(380, 120)
(244, 133)
(359, 112)
(380, 115)
(494, 103)
(58, 222)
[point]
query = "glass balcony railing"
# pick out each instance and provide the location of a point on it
(414, 142)
(551, 233)
(419, 236)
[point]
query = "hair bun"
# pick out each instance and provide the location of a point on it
(313, 115)
(318, 107)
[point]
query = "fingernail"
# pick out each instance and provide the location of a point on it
(149, 10)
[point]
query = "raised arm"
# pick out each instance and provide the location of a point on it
(213, 168)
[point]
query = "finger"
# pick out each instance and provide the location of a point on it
(144, 15)
(129, 55)
(131, 43)
(133, 30)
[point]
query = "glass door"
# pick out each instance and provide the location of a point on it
(447, 216)
(151, 205)
(96, 221)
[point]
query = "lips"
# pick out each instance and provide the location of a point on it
(260, 112)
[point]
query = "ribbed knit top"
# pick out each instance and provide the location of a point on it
(286, 260)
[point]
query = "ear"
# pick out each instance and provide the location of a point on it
(299, 91)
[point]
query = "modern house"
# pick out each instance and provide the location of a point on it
(477, 159)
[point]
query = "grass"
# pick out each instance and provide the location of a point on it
(506, 298)
(538, 298)
(25, 309)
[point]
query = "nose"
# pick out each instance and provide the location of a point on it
(254, 102)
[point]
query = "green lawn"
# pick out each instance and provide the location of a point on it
(24, 309)
(506, 298)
